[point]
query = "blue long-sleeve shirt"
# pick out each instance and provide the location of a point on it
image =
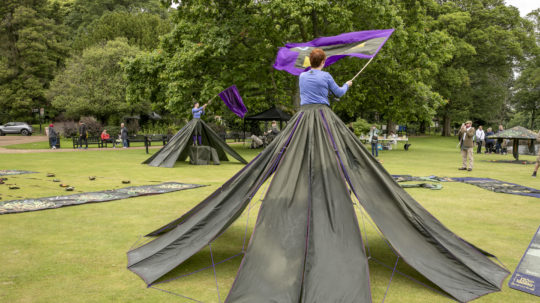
(197, 112)
(315, 85)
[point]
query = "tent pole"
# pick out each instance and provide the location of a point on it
(244, 136)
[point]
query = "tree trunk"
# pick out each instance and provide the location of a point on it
(422, 129)
(390, 126)
(533, 115)
(446, 126)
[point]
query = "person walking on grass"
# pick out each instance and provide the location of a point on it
(53, 136)
(374, 140)
(480, 136)
(466, 134)
(537, 158)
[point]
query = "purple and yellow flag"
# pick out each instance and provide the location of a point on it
(294, 57)
(234, 102)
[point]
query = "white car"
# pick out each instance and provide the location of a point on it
(16, 128)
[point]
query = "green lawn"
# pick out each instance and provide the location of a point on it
(78, 253)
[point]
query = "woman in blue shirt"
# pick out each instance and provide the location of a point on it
(315, 84)
(197, 113)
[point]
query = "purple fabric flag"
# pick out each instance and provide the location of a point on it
(234, 102)
(294, 57)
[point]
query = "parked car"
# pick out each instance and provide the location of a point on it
(16, 128)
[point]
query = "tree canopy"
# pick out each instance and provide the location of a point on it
(93, 84)
(33, 48)
(447, 61)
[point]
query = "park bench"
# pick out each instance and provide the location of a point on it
(90, 140)
(137, 138)
(158, 137)
(57, 142)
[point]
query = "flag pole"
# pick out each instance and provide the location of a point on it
(208, 102)
(362, 69)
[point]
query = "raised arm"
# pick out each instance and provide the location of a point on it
(335, 89)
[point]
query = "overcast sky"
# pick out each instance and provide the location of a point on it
(524, 6)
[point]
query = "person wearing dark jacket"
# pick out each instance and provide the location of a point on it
(124, 135)
(83, 135)
(53, 136)
(489, 142)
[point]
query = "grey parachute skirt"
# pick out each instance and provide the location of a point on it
(306, 245)
(178, 147)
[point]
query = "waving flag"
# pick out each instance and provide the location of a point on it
(294, 57)
(234, 102)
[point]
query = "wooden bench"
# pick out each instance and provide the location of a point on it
(156, 138)
(137, 138)
(90, 140)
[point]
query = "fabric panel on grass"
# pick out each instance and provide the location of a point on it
(9, 172)
(500, 186)
(17, 206)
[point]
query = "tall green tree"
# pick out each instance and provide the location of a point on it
(526, 100)
(140, 29)
(477, 81)
(81, 13)
(93, 84)
(33, 48)
(219, 43)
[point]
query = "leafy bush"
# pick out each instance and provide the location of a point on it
(132, 126)
(218, 128)
(360, 126)
(93, 126)
(69, 129)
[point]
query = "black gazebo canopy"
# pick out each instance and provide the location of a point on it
(270, 114)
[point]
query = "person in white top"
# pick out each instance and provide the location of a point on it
(480, 136)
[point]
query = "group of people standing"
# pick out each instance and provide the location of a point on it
(491, 145)
(468, 136)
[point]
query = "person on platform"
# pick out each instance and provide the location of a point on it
(197, 113)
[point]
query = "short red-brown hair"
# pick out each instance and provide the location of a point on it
(316, 57)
